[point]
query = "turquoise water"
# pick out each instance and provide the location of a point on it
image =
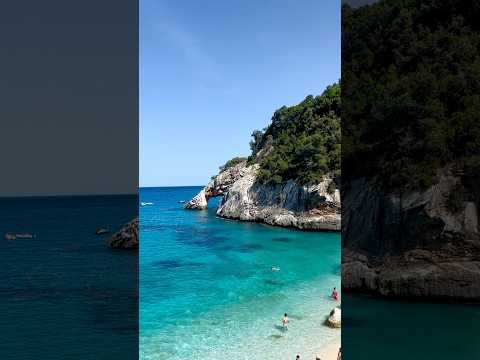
(207, 290)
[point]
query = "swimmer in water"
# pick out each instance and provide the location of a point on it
(275, 268)
(285, 321)
(335, 294)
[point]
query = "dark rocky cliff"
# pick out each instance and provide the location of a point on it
(411, 149)
(412, 244)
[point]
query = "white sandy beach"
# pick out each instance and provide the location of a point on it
(328, 352)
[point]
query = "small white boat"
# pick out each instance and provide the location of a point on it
(14, 236)
(146, 203)
(24, 236)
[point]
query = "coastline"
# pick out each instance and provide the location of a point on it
(219, 297)
(329, 351)
(289, 204)
(224, 332)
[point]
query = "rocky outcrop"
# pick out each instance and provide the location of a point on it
(334, 319)
(413, 244)
(218, 186)
(199, 202)
(450, 272)
(126, 238)
(315, 207)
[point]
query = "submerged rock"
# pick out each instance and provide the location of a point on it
(126, 238)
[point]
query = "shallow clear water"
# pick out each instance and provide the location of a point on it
(207, 290)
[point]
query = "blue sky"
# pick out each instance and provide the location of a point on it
(213, 71)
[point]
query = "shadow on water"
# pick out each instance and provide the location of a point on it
(167, 264)
(152, 227)
(280, 328)
(282, 239)
(226, 248)
(197, 236)
(274, 282)
(295, 317)
(248, 248)
(173, 264)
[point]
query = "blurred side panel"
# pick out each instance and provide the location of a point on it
(410, 179)
(69, 157)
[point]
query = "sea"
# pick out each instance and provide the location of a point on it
(207, 289)
(378, 328)
(64, 294)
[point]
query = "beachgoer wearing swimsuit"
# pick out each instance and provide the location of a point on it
(285, 321)
(335, 294)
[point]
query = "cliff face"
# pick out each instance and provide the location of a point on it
(416, 244)
(218, 186)
(314, 207)
(287, 179)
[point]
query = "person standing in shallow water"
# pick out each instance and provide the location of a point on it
(285, 322)
(335, 294)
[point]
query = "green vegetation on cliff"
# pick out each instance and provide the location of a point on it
(411, 90)
(232, 162)
(302, 143)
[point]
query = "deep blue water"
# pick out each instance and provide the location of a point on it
(64, 294)
(378, 329)
(207, 290)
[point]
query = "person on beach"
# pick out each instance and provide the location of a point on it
(339, 356)
(285, 321)
(297, 357)
(335, 294)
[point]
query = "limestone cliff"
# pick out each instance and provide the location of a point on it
(218, 186)
(312, 207)
(292, 175)
(420, 244)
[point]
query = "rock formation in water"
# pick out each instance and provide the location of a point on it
(291, 177)
(313, 207)
(334, 319)
(126, 238)
(218, 186)
(420, 244)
